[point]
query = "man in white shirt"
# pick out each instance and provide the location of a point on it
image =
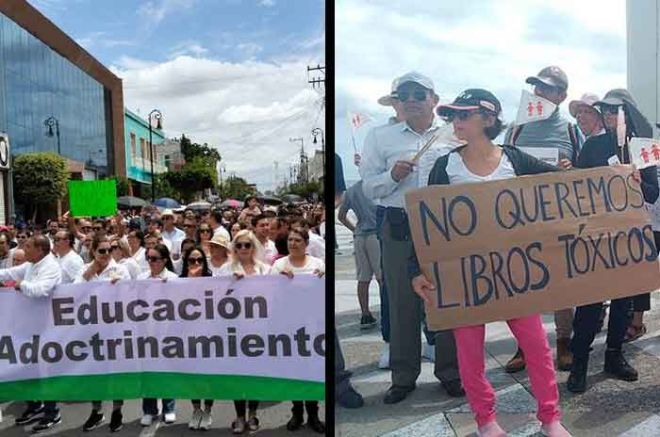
(316, 246)
(70, 262)
(215, 221)
(261, 226)
(37, 278)
(171, 233)
(6, 253)
(388, 172)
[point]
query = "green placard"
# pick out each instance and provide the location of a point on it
(93, 198)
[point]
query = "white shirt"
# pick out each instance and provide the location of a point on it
(384, 146)
(215, 271)
(112, 271)
(132, 266)
(269, 251)
(459, 174)
(222, 231)
(39, 279)
(175, 238)
(72, 266)
(230, 268)
(140, 258)
(7, 261)
(164, 274)
(311, 265)
(316, 246)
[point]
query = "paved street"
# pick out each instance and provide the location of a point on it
(273, 418)
(609, 408)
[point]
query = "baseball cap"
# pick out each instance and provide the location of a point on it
(167, 212)
(417, 78)
(587, 99)
(386, 100)
(473, 98)
(552, 76)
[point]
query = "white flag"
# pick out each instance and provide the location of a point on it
(644, 152)
(358, 119)
(533, 108)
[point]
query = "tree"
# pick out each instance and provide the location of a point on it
(235, 188)
(39, 179)
(193, 177)
(190, 151)
(164, 189)
(304, 189)
(122, 185)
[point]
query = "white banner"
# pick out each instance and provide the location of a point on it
(268, 326)
(549, 155)
(644, 152)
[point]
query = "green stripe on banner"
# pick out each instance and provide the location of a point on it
(161, 385)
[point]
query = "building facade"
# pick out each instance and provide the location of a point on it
(56, 97)
(138, 151)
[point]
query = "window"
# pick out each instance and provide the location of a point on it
(133, 147)
(143, 150)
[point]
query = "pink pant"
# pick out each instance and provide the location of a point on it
(533, 341)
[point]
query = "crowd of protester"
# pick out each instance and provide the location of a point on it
(150, 243)
(390, 166)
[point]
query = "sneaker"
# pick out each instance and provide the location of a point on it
(30, 415)
(516, 363)
(315, 424)
(169, 418)
(47, 423)
(206, 421)
(428, 352)
(196, 419)
(147, 420)
(238, 426)
(350, 398)
(116, 421)
(367, 321)
(384, 361)
(491, 429)
(95, 419)
(554, 429)
(295, 423)
(253, 424)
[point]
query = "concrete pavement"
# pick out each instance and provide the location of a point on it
(608, 408)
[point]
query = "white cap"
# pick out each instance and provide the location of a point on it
(587, 99)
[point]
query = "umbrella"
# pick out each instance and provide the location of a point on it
(231, 203)
(292, 198)
(166, 202)
(131, 202)
(199, 206)
(269, 200)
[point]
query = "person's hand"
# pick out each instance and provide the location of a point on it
(357, 159)
(17, 287)
(402, 169)
(164, 279)
(113, 281)
(194, 271)
(565, 164)
(238, 276)
(287, 273)
(318, 273)
(637, 176)
(423, 287)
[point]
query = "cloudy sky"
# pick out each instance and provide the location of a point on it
(471, 44)
(232, 73)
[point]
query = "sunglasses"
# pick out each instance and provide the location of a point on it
(418, 95)
(199, 261)
(60, 239)
(103, 251)
(97, 228)
(86, 228)
(461, 115)
(154, 259)
(204, 230)
(191, 226)
(243, 245)
(22, 237)
(609, 109)
(114, 247)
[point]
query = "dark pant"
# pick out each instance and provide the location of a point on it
(197, 403)
(585, 326)
(342, 381)
(98, 405)
(240, 407)
(51, 410)
(384, 300)
(312, 408)
(642, 302)
(150, 406)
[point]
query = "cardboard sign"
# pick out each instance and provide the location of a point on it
(533, 108)
(644, 152)
(505, 249)
(549, 155)
(93, 198)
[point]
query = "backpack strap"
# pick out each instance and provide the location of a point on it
(575, 141)
(516, 130)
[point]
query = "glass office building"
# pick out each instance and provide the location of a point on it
(43, 74)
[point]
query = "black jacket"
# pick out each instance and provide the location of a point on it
(597, 150)
(523, 164)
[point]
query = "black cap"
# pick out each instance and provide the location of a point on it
(474, 98)
(551, 76)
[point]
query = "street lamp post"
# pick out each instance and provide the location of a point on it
(315, 132)
(158, 116)
(52, 122)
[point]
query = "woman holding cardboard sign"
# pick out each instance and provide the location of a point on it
(475, 116)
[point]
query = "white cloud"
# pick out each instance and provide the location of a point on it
(492, 45)
(155, 11)
(248, 110)
(267, 3)
(192, 48)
